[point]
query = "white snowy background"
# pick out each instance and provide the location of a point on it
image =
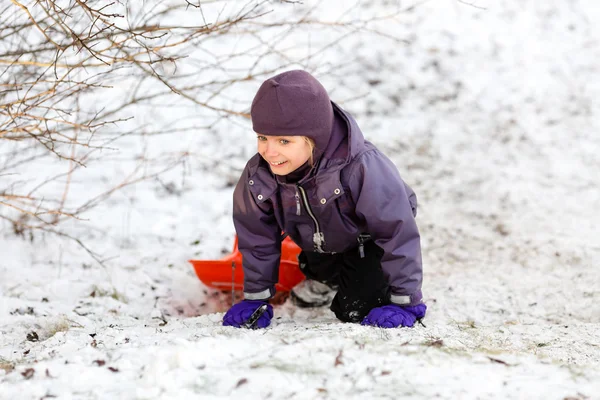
(491, 113)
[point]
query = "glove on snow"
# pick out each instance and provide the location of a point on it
(393, 315)
(240, 313)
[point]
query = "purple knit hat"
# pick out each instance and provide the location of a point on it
(293, 103)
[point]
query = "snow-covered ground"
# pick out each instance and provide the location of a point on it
(490, 112)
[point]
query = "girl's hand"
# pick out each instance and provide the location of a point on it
(393, 316)
(239, 314)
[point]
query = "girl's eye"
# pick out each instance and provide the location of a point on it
(284, 141)
(261, 138)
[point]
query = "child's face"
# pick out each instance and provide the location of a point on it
(284, 154)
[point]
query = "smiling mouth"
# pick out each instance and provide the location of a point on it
(277, 164)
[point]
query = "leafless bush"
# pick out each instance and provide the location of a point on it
(60, 58)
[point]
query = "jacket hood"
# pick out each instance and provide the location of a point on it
(346, 140)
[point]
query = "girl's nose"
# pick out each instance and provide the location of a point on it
(271, 149)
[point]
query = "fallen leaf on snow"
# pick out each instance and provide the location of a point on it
(435, 343)
(338, 359)
(6, 366)
(28, 373)
(241, 382)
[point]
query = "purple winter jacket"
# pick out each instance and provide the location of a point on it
(355, 189)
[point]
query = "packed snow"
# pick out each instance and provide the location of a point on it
(489, 110)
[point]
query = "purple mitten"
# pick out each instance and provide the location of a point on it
(418, 311)
(393, 316)
(241, 312)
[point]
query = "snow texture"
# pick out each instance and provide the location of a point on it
(491, 113)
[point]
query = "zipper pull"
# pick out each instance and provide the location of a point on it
(361, 246)
(319, 241)
(297, 197)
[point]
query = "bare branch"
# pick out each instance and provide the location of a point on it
(35, 23)
(67, 96)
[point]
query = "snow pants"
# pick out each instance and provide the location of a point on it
(360, 282)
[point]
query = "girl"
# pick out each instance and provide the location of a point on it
(341, 200)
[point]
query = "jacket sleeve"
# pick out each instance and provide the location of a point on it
(388, 208)
(259, 240)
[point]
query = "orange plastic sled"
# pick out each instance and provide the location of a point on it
(219, 274)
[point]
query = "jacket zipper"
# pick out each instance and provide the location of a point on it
(297, 197)
(318, 237)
